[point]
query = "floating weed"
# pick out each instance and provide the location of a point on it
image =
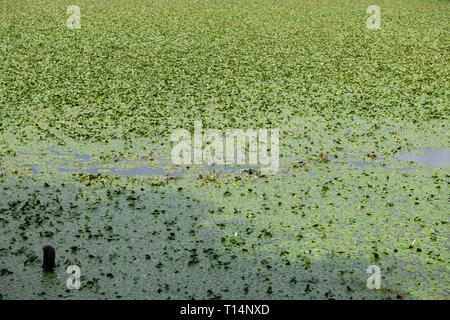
(143, 228)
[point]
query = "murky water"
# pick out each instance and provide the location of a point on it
(83, 157)
(138, 171)
(429, 157)
(121, 241)
(137, 168)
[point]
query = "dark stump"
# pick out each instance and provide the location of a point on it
(49, 258)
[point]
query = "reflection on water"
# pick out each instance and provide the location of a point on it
(131, 172)
(430, 157)
(83, 157)
(364, 163)
(138, 169)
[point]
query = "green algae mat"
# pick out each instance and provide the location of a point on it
(86, 116)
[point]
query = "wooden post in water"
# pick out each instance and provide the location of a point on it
(49, 258)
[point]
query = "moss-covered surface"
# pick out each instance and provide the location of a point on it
(114, 91)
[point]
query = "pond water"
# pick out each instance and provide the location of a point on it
(427, 156)
(136, 168)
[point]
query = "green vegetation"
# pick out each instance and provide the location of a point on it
(117, 88)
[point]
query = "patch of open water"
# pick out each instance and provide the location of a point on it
(427, 156)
